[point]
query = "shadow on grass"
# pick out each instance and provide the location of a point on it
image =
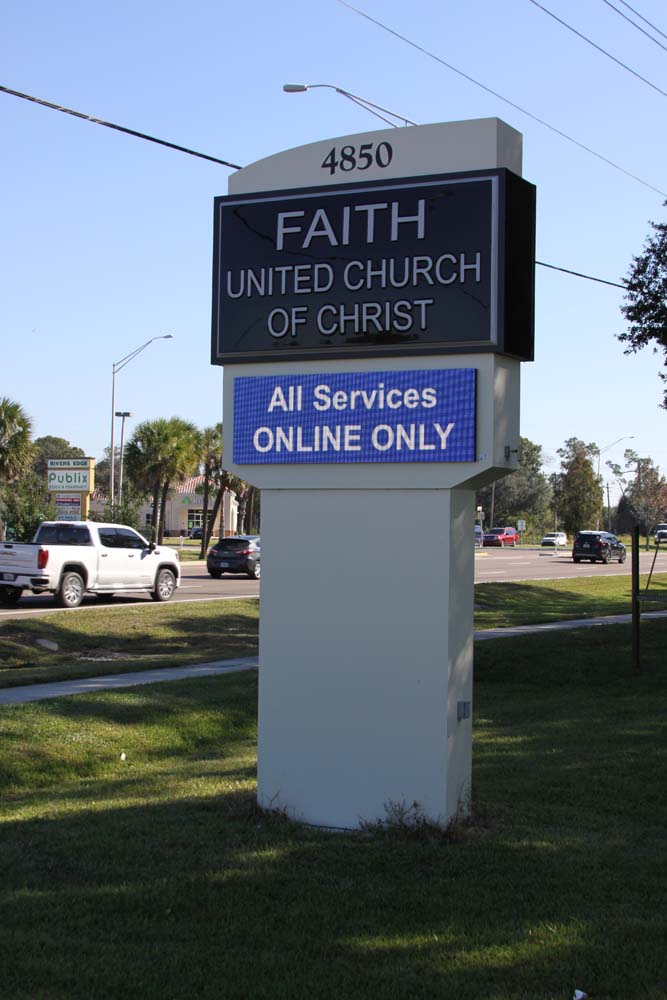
(193, 893)
(88, 733)
(117, 641)
(202, 900)
(525, 603)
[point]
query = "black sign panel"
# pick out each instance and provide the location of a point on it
(429, 265)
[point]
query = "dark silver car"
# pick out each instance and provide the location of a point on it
(598, 546)
(235, 554)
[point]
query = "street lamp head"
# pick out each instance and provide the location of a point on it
(166, 336)
(373, 109)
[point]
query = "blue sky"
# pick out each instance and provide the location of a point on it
(106, 240)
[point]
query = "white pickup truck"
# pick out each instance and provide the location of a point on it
(70, 558)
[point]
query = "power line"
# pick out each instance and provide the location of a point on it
(118, 128)
(205, 156)
(599, 48)
(500, 97)
(578, 274)
(634, 24)
(641, 18)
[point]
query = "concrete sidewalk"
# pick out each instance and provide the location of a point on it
(60, 689)
(88, 685)
(512, 632)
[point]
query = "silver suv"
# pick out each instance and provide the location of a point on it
(660, 533)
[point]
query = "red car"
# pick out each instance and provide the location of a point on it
(501, 536)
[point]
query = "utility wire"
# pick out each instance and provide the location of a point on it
(598, 47)
(205, 156)
(578, 274)
(494, 93)
(641, 18)
(118, 128)
(634, 24)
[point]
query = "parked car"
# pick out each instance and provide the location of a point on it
(235, 554)
(660, 534)
(598, 546)
(479, 536)
(554, 538)
(501, 536)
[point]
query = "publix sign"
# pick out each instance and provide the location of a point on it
(70, 475)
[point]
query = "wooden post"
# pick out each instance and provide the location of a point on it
(636, 660)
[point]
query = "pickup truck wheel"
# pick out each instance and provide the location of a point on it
(165, 585)
(10, 595)
(70, 592)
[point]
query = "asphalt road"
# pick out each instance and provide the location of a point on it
(491, 566)
(506, 565)
(196, 585)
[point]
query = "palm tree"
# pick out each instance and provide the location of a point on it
(181, 461)
(210, 456)
(15, 445)
(160, 453)
(146, 457)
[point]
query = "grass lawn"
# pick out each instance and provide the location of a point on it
(117, 639)
(155, 877)
(189, 551)
(506, 604)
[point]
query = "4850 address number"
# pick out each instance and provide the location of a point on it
(351, 158)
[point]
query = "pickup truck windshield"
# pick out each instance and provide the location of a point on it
(63, 534)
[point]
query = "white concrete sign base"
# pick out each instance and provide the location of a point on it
(365, 653)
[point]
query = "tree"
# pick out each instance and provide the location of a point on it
(127, 511)
(209, 446)
(146, 457)
(52, 447)
(181, 462)
(103, 472)
(577, 487)
(524, 494)
(160, 453)
(645, 493)
(15, 445)
(645, 307)
(26, 505)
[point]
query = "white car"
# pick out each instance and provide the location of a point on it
(660, 534)
(554, 538)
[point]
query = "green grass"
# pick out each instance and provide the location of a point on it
(499, 605)
(156, 877)
(189, 552)
(117, 639)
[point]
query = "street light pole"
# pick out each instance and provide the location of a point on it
(123, 414)
(374, 109)
(115, 368)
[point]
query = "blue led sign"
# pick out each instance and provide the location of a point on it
(354, 417)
